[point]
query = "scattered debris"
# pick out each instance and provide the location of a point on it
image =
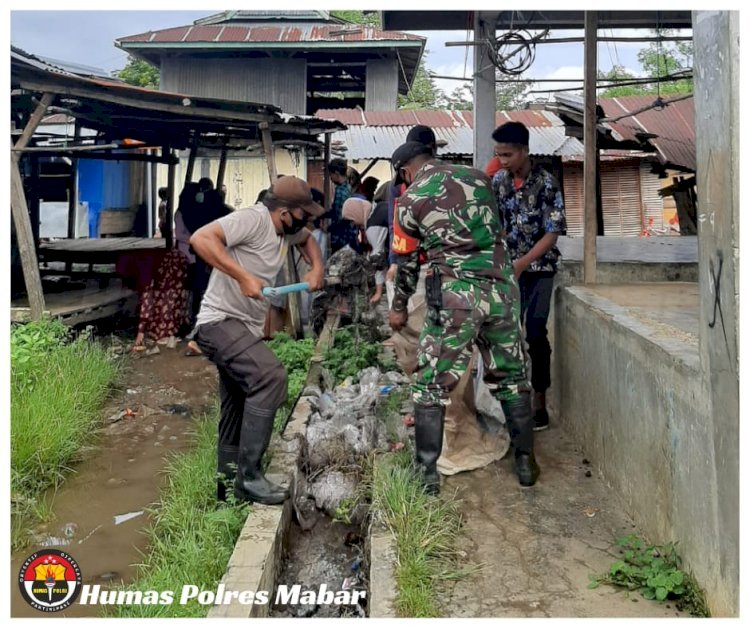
(127, 517)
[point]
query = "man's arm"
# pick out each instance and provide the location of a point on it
(554, 224)
(538, 250)
(311, 251)
(210, 243)
(407, 274)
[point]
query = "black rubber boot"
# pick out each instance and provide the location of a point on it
(250, 483)
(225, 469)
(521, 428)
(428, 436)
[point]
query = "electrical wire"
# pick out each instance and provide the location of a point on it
(513, 52)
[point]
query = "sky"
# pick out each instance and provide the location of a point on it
(86, 37)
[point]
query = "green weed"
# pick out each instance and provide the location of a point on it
(655, 571)
(58, 387)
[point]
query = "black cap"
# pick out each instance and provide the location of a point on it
(511, 133)
(422, 134)
(408, 151)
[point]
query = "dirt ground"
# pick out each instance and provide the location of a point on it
(99, 512)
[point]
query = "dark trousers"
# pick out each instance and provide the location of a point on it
(248, 372)
(536, 294)
(198, 282)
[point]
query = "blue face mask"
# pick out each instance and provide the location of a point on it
(199, 197)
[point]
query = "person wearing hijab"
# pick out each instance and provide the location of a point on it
(372, 221)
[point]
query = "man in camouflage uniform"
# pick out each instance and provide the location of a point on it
(472, 297)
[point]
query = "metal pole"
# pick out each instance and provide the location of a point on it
(590, 149)
(484, 96)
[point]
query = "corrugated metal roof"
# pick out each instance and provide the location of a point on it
(371, 142)
(269, 33)
(435, 119)
(674, 125)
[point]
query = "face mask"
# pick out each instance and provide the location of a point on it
(199, 197)
(297, 225)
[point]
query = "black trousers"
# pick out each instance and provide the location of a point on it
(536, 294)
(248, 371)
(198, 282)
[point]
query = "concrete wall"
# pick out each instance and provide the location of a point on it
(717, 126)
(639, 406)
(571, 272)
(381, 85)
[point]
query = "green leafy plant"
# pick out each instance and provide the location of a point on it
(349, 353)
(655, 571)
(344, 510)
(295, 355)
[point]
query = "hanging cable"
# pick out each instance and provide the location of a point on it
(513, 52)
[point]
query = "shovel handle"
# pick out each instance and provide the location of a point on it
(279, 290)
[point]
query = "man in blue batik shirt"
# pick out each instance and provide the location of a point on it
(533, 215)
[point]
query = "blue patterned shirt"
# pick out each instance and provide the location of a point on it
(530, 212)
(342, 231)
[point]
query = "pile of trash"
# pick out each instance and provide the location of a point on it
(342, 431)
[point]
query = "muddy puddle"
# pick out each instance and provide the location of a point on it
(99, 514)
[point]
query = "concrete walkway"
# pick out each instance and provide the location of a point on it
(539, 545)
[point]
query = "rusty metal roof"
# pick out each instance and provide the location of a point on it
(118, 110)
(304, 33)
(235, 36)
(376, 134)
(674, 126)
(436, 119)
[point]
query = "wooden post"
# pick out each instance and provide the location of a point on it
(293, 300)
(369, 167)
(222, 167)
(154, 200)
(73, 200)
(20, 212)
(33, 187)
(169, 217)
(589, 148)
(191, 160)
(265, 133)
(326, 174)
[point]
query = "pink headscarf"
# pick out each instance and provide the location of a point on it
(357, 210)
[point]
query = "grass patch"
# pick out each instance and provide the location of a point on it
(190, 538)
(425, 529)
(655, 571)
(58, 386)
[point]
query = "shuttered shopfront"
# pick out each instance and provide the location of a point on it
(629, 191)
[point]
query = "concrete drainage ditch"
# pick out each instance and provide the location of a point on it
(318, 555)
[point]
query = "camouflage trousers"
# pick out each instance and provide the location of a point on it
(471, 315)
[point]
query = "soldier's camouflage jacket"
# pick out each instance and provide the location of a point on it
(452, 210)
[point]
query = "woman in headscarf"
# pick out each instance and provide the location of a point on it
(372, 221)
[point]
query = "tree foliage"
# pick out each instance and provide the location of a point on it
(358, 17)
(657, 61)
(423, 93)
(139, 73)
(509, 95)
